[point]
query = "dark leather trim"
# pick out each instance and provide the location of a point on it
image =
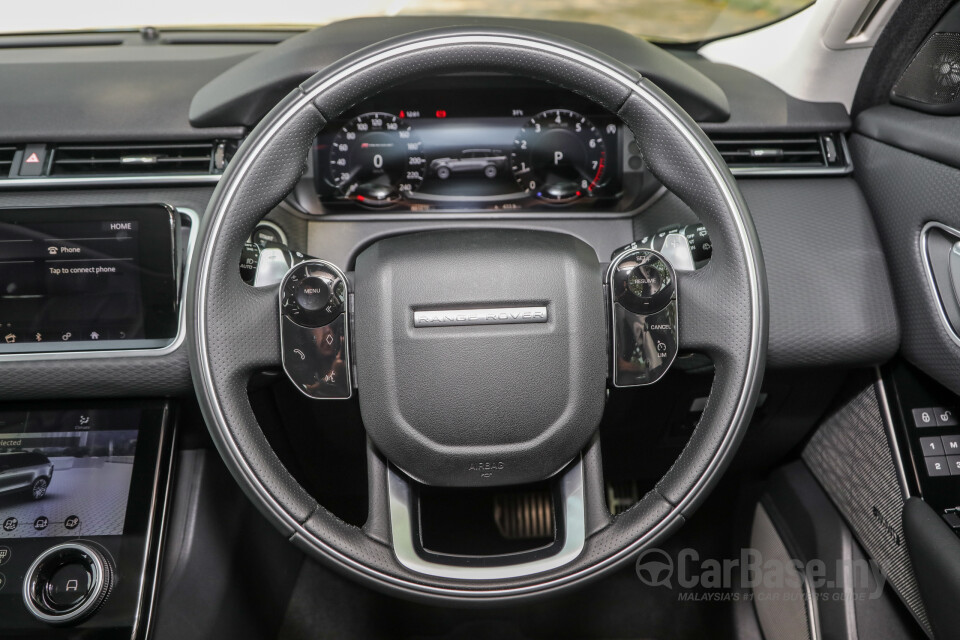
(242, 94)
(930, 136)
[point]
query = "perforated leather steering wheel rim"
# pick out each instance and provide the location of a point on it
(233, 330)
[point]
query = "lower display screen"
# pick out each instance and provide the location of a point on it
(87, 278)
(66, 472)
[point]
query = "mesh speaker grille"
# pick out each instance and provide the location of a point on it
(933, 76)
(783, 612)
(851, 457)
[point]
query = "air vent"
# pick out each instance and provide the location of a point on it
(7, 154)
(784, 154)
(138, 159)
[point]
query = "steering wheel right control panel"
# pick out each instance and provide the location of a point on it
(643, 307)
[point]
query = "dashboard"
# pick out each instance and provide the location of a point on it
(460, 151)
(476, 143)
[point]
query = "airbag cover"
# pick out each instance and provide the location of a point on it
(485, 404)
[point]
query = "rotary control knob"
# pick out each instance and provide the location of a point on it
(642, 282)
(68, 583)
(313, 294)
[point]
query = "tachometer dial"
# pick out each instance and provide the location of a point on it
(558, 156)
(375, 159)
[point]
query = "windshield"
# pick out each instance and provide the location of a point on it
(660, 20)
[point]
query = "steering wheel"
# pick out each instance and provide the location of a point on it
(481, 357)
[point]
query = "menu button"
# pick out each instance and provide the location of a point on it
(313, 293)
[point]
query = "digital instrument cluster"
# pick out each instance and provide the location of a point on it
(444, 144)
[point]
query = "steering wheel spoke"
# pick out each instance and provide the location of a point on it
(578, 511)
(254, 334)
(706, 314)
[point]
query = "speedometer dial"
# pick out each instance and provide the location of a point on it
(558, 156)
(375, 159)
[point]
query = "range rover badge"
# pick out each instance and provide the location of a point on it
(466, 317)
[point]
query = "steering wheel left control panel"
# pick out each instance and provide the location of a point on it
(82, 491)
(314, 326)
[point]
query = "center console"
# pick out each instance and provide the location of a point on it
(82, 493)
(83, 483)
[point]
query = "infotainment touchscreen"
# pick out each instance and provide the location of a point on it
(66, 472)
(88, 278)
